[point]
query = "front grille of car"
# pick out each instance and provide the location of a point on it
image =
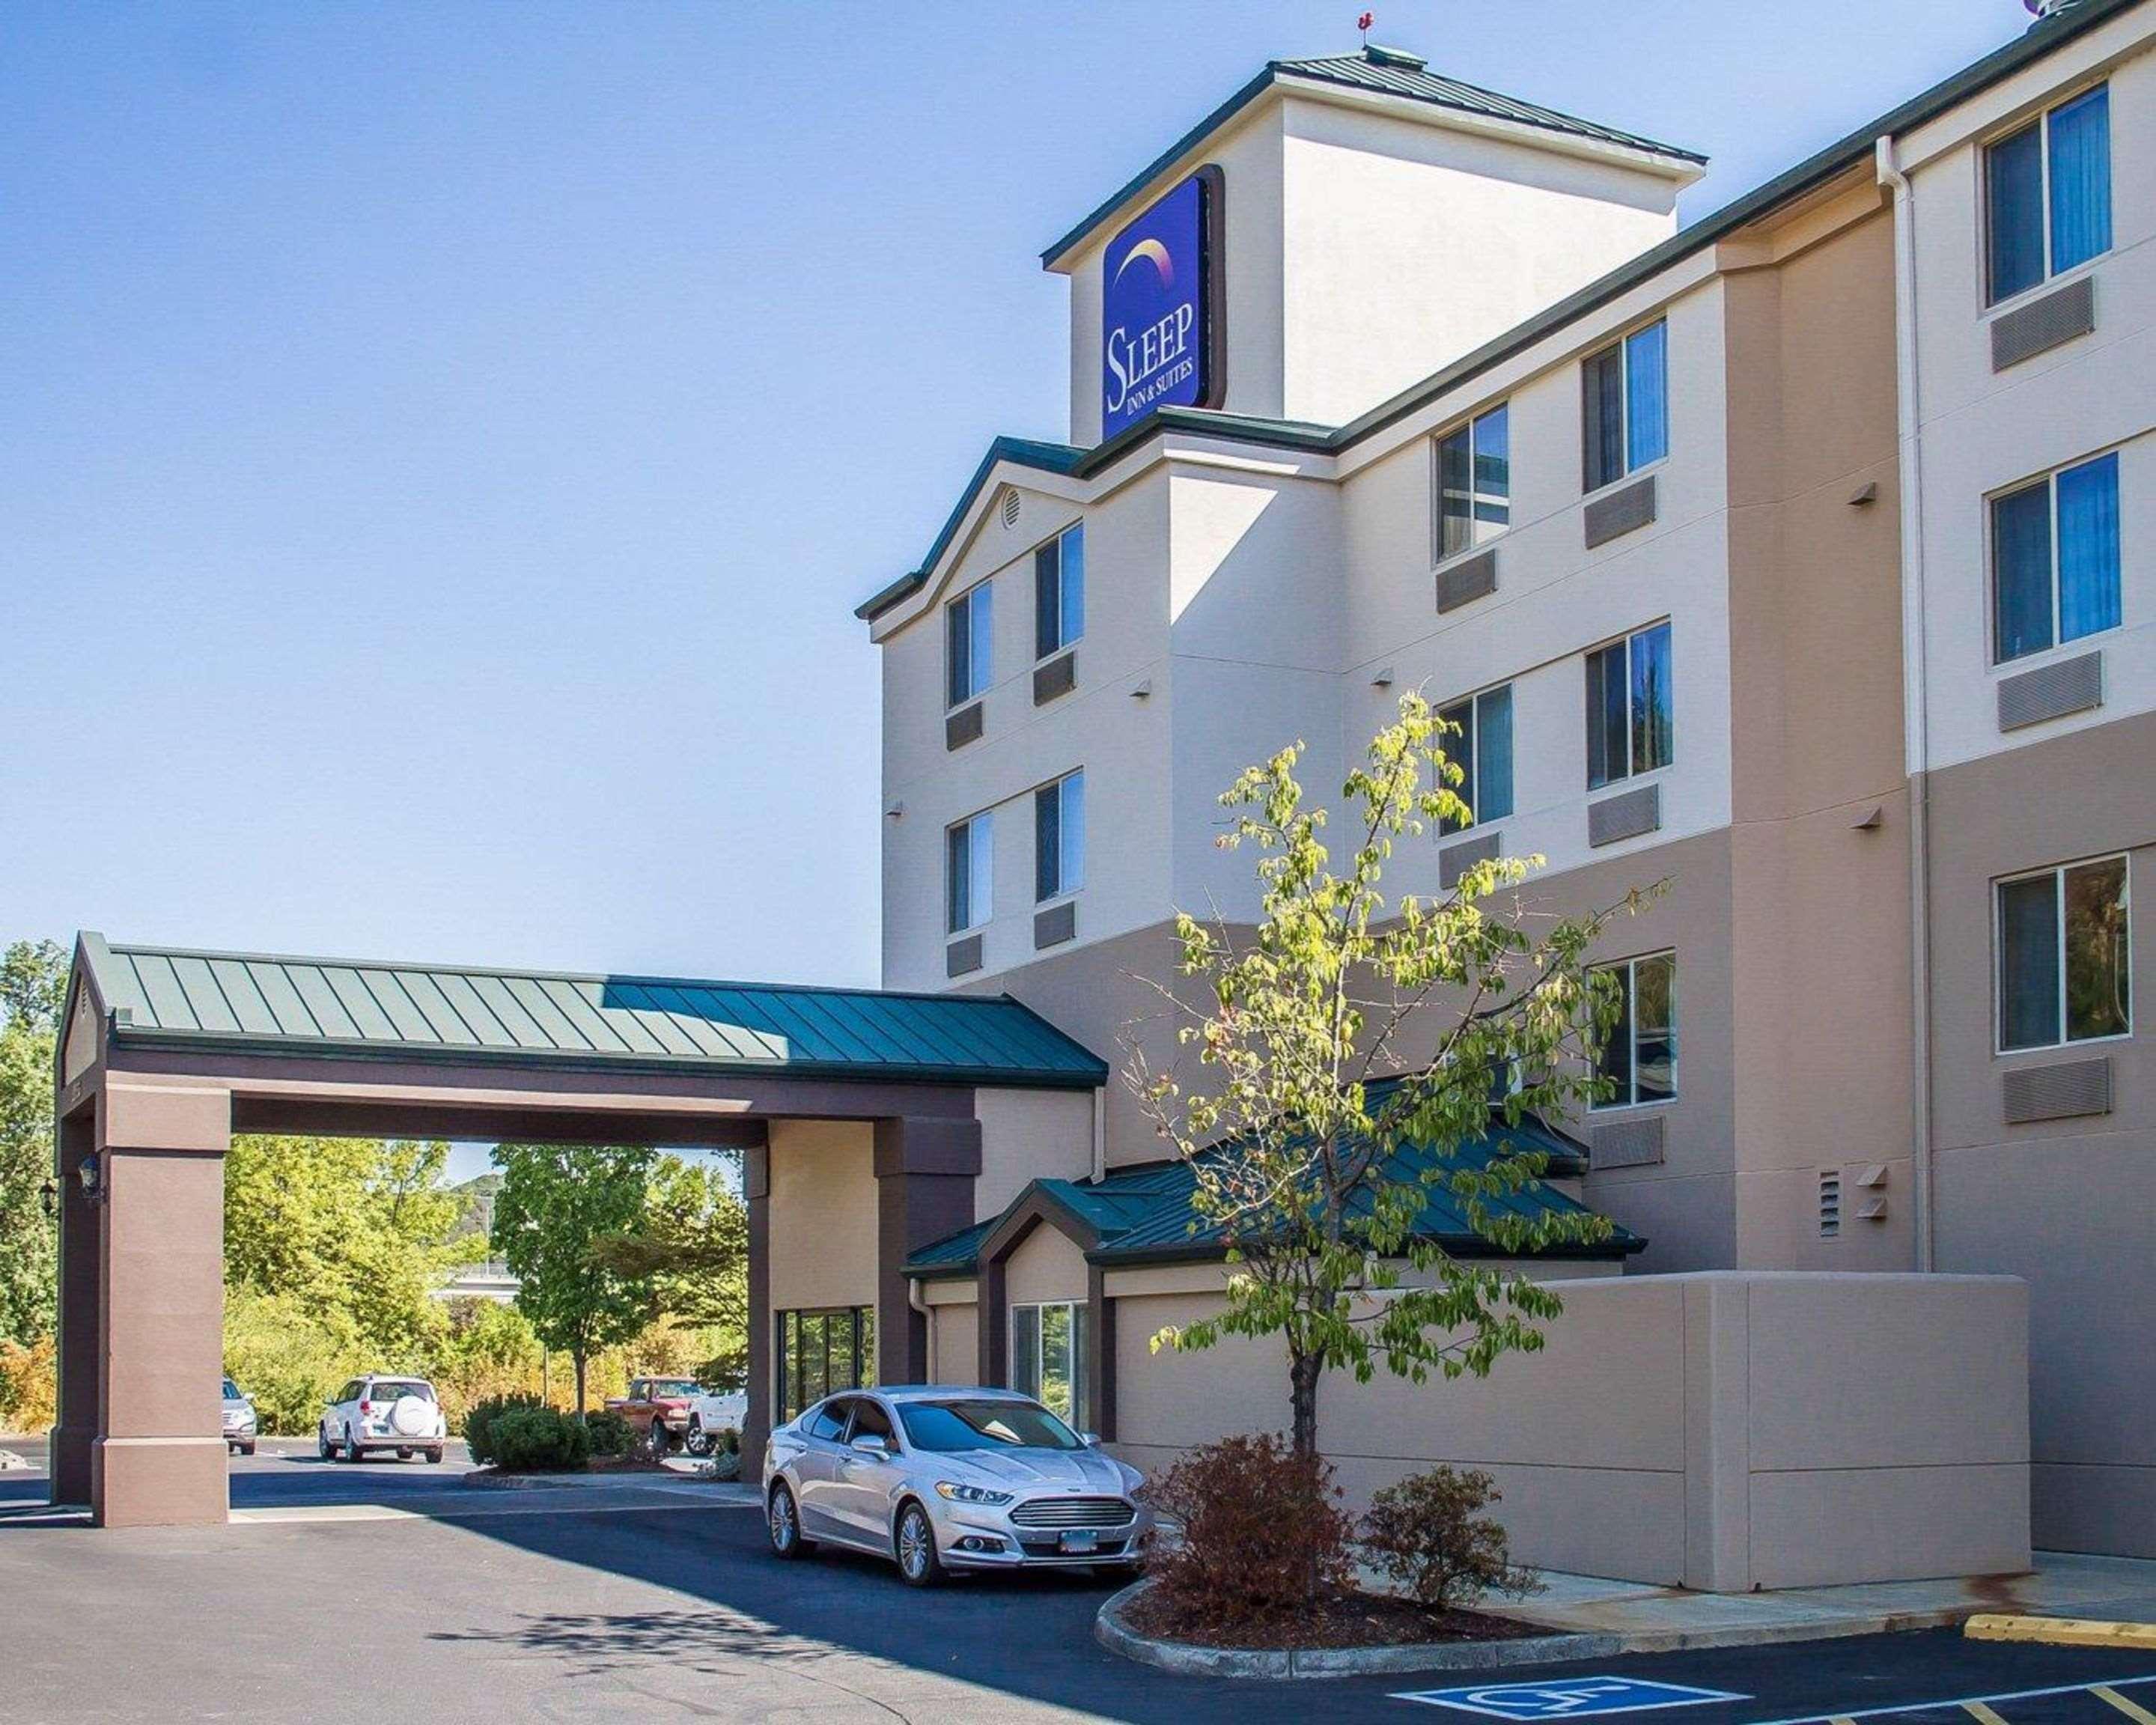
(1073, 1512)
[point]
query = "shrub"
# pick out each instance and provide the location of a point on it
(29, 1385)
(1262, 1534)
(1428, 1535)
(610, 1433)
(480, 1418)
(537, 1439)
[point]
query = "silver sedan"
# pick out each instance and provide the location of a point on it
(939, 1478)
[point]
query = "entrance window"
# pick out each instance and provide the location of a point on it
(822, 1352)
(1050, 1347)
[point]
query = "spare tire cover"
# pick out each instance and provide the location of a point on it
(414, 1416)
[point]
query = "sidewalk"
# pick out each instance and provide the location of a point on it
(1656, 1620)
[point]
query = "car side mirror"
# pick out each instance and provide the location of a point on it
(1091, 1439)
(870, 1443)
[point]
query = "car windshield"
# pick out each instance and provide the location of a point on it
(395, 1389)
(675, 1386)
(232, 1392)
(941, 1427)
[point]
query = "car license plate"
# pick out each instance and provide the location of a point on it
(1078, 1539)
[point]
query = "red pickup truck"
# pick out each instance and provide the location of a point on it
(658, 1408)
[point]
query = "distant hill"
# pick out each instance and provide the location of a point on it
(475, 1200)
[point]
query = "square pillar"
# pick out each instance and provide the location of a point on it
(80, 1276)
(925, 1169)
(159, 1457)
(756, 1192)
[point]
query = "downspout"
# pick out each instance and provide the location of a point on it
(914, 1299)
(1916, 692)
(1100, 1134)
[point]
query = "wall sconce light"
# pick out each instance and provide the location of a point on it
(1383, 680)
(896, 812)
(49, 1195)
(90, 1173)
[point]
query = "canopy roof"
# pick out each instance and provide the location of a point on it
(358, 1008)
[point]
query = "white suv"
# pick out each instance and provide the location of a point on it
(382, 1412)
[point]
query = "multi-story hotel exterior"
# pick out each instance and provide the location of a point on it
(1797, 559)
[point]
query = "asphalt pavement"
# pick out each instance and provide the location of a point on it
(470, 1603)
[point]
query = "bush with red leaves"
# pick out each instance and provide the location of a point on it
(1429, 1535)
(1263, 1535)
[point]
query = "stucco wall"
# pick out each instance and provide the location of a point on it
(822, 1214)
(954, 1341)
(1046, 1266)
(1722, 1431)
(1031, 1134)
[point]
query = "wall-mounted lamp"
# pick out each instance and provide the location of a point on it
(49, 1195)
(1139, 691)
(1868, 492)
(89, 1173)
(896, 812)
(1383, 680)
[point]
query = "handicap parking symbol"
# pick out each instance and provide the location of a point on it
(1567, 1698)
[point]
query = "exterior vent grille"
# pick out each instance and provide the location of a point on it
(2052, 691)
(1010, 507)
(963, 727)
(1457, 859)
(1059, 676)
(1056, 925)
(1626, 1143)
(1620, 511)
(2043, 324)
(1073, 1512)
(1625, 817)
(1830, 1203)
(962, 958)
(2062, 1091)
(1470, 578)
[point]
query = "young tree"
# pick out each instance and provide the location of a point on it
(691, 1244)
(1289, 1138)
(556, 1203)
(32, 980)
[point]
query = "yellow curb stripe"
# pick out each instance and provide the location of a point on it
(1982, 1714)
(2059, 1631)
(2132, 1710)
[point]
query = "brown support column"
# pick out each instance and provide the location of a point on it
(80, 1255)
(992, 1319)
(925, 1169)
(159, 1457)
(1101, 1368)
(762, 1384)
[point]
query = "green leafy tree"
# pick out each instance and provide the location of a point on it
(690, 1244)
(558, 1203)
(33, 986)
(1289, 1139)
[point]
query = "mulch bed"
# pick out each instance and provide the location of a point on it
(1354, 1620)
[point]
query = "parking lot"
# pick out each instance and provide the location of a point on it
(651, 1602)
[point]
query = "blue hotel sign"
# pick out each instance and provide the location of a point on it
(1160, 307)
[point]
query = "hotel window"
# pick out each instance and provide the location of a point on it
(1631, 725)
(1059, 592)
(1482, 749)
(2065, 955)
(1049, 1348)
(2055, 559)
(970, 873)
(969, 629)
(1639, 1060)
(1474, 483)
(1058, 837)
(821, 1353)
(2047, 195)
(1626, 421)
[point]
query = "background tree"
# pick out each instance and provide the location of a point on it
(1288, 1138)
(691, 1246)
(556, 1203)
(33, 981)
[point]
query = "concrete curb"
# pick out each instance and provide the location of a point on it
(1112, 1630)
(2059, 1631)
(571, 1480)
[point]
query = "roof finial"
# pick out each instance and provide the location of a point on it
(1363, 23)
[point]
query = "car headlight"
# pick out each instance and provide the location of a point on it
(957, 1493)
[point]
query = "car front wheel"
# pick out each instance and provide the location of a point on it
(698, 1442)
(782, 1521)
(918, 1560)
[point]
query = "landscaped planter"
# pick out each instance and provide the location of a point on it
(1115, 1630)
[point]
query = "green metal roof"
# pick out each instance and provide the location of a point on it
(1145, 1215)
(2041, 38)
(332, 1006)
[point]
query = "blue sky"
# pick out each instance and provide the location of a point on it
(440, 448)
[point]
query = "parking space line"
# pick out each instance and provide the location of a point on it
(1982, 1714)
(1968, 1702)
(2132, 1710)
